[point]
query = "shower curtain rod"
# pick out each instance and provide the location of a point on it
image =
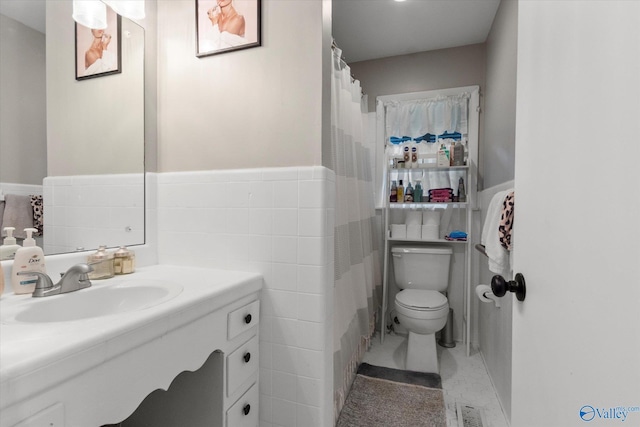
(334, 46)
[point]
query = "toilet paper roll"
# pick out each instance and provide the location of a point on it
(430, 232)
(414, 218)
(431, 217)
(414, 232)
(485, 294)
(398, 231)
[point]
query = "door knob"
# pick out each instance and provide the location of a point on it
(500, 287)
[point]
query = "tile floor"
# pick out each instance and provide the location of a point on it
(464, 379)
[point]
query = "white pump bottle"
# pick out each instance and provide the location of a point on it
(28, 258)
(9, 245)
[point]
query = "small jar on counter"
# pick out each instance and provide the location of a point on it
(102, 263)
(124, 261)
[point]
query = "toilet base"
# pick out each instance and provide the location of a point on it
(422, 355)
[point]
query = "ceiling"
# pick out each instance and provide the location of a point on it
(30, 12)
(365, 29)
(372, 29)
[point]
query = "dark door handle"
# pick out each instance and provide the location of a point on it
(247, 319)
(247, 357)
(246, 409)
(500, 287)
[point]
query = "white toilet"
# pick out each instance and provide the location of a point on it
(422, 274)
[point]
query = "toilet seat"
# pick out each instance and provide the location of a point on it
(422, 304)
(421, 299)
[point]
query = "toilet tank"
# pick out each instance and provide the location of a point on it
(421, 267)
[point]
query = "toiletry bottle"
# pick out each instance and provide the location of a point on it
(393, 193)
(124, 261)
(408, 194)
(414, 156)
(406, 150)
(417, 192)
(28, 258)
(9, 245)
(102, 263)
(462, 196)
(400, 194)
(458, 154)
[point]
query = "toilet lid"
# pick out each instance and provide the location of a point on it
(420, 299)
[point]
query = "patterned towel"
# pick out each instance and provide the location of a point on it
(506, 221)
(38, 213)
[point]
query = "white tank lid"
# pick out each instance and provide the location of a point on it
(421, 299)
(441, 250)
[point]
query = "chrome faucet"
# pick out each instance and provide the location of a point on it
(75, 278)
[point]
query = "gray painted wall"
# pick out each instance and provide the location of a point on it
(438, 69)
(23, 127)
(259, 107)
(498, 147)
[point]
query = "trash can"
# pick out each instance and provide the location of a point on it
(446, 334)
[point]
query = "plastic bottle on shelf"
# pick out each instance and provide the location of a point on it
(406, 151)
(417, 192)
(458, 154)
(393, 193)
(414, 156)
(400, 193)
(408, 194)
(462, 195)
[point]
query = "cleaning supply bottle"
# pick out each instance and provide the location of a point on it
(408, 194)
(400, 190)
(28, 258)
(9, 245)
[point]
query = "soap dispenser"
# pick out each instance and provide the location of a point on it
(102, 263)
(9, 245)
(28, 258)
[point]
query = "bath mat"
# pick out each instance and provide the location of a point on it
(385, 397)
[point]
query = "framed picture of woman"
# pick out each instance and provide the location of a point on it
(98, 52)
(227, 25)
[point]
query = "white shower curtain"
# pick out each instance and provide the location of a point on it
(357, 271)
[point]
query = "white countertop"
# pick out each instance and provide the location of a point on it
(36, 356)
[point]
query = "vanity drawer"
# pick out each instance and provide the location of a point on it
(244, 413)
(243, 319)
(242, 364)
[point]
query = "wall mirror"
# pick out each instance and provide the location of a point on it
(77, 143)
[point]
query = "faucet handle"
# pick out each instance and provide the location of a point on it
(43, 281)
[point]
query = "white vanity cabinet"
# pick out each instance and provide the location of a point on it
(99, 371)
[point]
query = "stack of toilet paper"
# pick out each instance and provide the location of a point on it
(414, 222)
(430, 225)
(419, 225)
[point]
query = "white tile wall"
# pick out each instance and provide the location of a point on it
(278, 222)
(91, 210)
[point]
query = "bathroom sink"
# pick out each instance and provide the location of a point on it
(97, 301)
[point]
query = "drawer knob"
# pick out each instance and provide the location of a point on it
(247, 319)
(247, 357)
(246, 409)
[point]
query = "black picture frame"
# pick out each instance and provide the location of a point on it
(209, 39)
(110, 62)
